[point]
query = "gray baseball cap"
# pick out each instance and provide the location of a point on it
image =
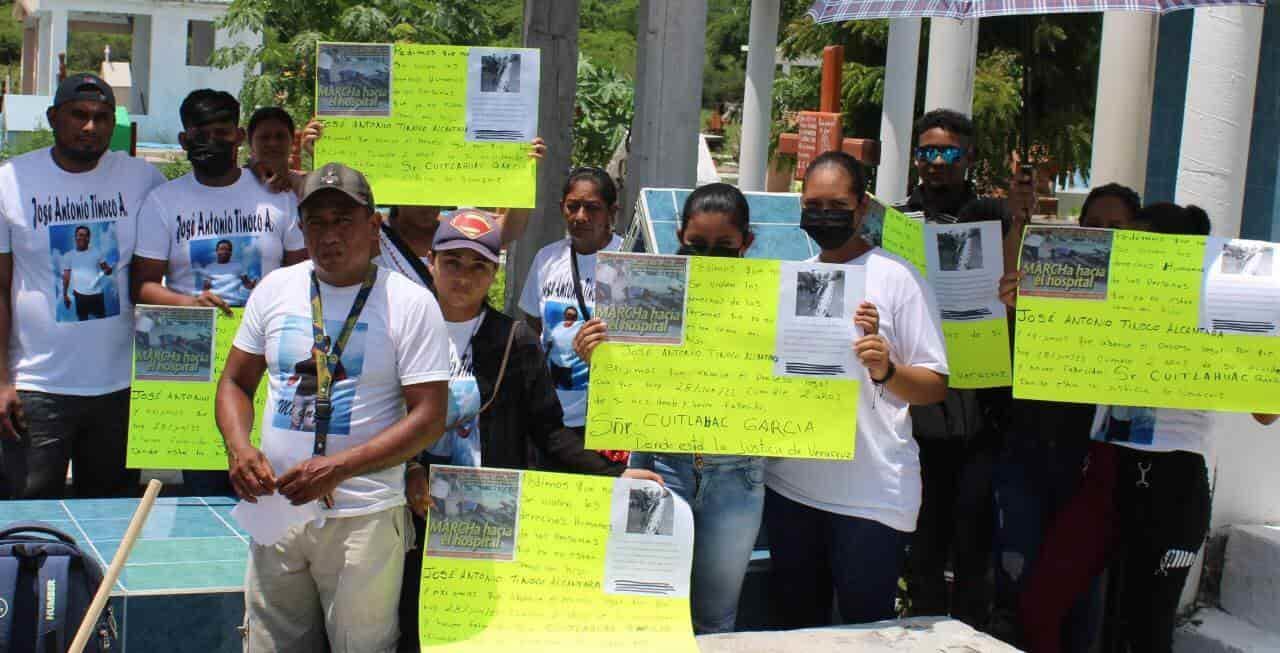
(338, 177)
(84, 86)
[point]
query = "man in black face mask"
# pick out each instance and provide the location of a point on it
(220, 205)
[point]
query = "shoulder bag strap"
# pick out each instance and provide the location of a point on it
(577, 284)
(406, 252)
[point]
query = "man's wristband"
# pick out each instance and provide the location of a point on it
(888, 375)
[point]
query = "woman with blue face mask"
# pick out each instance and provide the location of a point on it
(726, 493)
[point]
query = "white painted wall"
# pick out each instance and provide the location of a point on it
(172, 79)
(160, 35)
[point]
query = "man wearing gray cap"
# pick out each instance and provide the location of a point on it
(357, 359)
(67, 230)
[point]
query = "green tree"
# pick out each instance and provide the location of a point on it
(605, 105)
(1063, 78)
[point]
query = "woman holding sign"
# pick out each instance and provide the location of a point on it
(842, 526)
(726, 493)
(1144, 498)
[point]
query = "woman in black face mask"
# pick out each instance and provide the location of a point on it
(841, 526)
(725, 492)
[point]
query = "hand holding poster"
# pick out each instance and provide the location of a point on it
(1132, 318)
(455, 129)
(718, 393)
(179, 353)
(597, 564)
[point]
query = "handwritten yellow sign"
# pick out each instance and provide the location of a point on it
(419, 155)
(551, 598)
(977, 350)
(717, 393)
(1142, 344)
(171, 423)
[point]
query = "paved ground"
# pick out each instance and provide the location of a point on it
(924, 635)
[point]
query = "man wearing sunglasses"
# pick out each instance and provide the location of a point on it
(960, 437)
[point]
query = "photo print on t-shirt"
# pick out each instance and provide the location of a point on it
(86, 260)
(295, 365)
(561, 322)
(229, 267)
(460, 444)
(1129, 425)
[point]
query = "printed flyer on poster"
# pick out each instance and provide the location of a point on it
(642, 297)
(475, 513)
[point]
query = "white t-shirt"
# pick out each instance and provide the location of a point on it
(1153, 429)
(59, 342)
(399, 340)
(547, 294)
(186, 223)
(461, 440)
(882, 482)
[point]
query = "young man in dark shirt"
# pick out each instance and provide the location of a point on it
(959, 438)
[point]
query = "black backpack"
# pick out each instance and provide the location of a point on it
(46, 586)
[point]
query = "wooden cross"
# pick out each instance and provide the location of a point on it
(821, 131)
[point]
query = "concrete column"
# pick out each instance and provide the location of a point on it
(1126, 78)
(900, 68)
(1221, 82)
(953, 62)
(57, 45)
(757, 103)
(664, 132)
(552, 26)
(43, 23)
(140, 63)
(30, 41)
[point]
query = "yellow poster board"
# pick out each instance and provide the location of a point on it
(550, 598)
(419, 155)
(717, 393)
(1142, 343)
(977, 350)
(171, 423)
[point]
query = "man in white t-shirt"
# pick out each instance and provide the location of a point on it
(387, 403)
(844, 525)
(82, 268)
(66, 234)
(206, 237)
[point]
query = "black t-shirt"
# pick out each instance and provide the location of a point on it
(966, 206)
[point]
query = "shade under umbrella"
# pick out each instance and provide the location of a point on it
(839, 11)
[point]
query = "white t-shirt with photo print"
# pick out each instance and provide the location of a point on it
(1153, 429)
(184, 221)
(400, 339)
(50, 348)
(882, 482)
(461, 440)
(548, 293)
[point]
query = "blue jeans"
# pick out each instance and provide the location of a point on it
(815, 552)
(726, 494)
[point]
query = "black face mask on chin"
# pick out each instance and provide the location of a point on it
(720, 252)
(212, 157)
(829, 228)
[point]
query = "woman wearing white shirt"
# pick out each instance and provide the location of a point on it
(842, 526)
